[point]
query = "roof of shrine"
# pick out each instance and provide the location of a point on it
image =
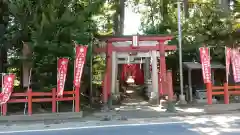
(196, 65)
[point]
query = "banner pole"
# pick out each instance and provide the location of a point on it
(226, 63)
(29, 81)
(74, 89)
(2, 74)
(57, 84)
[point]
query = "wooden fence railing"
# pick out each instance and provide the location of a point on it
(225, 90)
(32, 97)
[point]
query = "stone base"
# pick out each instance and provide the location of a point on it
(153, 101)
(204, 101)
(182, 100)
(170, 107)
(116, 98)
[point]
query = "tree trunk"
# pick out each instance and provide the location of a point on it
(3, 26)
(225, 5)
(122, 16)
(186, 7)
(119, 17)
(26, 65)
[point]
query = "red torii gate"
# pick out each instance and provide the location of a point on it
(161, 47)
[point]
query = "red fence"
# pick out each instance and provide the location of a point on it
(225, 90)
(30, 97)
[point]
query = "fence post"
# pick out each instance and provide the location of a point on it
(77, 99)
(29, 94)
(226, 94)
(54, 100)
(209, 93)
(4, 109)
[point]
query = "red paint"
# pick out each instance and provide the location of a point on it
(138, 49)
(140, 38)
(62, 66)
(107, 78)
(54, 105)
(162, 73)
(170, 85)
(29, 102)
(226, 95)
(45, 97)
(109, 68)
(235, 56)
(133, 70)
(110, 48)
(7, 88)
(4, 109)
(80, 57)
(77, 99)
(209, 93)
(206, 66)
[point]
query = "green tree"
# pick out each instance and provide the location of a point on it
(49, 27)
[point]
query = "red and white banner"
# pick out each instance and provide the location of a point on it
(206, 65)
(80, 52)
(62, 66)
(7, 88)
(227, 60)
(235, 59)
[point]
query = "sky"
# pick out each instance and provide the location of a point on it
(132, 21)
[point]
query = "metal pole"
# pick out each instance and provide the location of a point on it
(29, 83)
(2, 92)
(182, 98)
(91, 91)
(91, 64)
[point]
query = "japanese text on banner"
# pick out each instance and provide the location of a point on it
(61, 75)
(7, 89)
(235, 59)
(206, 66)
(81, 52)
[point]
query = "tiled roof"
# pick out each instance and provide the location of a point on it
(196, 65)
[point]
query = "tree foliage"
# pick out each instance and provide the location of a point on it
(49, 27)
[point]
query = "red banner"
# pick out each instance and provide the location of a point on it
(227, 60)
(206, 65)
(80, 52)
(235, 59)
(7, 88)
(62, 67)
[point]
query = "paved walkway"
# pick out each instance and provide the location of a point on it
(209, 125)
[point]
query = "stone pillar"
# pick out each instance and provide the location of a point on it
(114, 73)
(147, 69)
(154, 94)
(117, 87)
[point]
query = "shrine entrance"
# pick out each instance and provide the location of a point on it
(138, 56)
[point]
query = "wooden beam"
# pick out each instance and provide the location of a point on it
(138, 49)
(129, 37)
(141, 38)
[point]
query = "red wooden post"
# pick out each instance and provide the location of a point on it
(209, 93)
(226, 94)
(29, 93)
(77, 99)
(162, 65)
(104, 89)
(4, 109)
(109, 68)
(54, 104)
(170, 85)
(107, 77)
